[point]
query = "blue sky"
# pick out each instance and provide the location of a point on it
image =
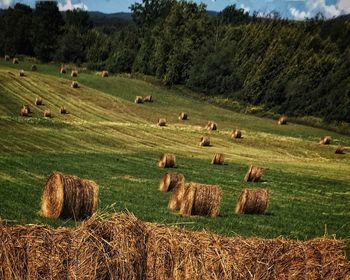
(296, 9)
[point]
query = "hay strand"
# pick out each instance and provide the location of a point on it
(218, 159)
(170, 180)
(167, 161)
(253, 201)
(254, 174)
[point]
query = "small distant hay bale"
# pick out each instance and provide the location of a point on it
(340, 150)
(218, 159)
(69, 197)
(183, 116)
(138, 100)
(170, 180)
(211, 126)
(25, 111)
(205, 141)
(21, 73)
(283, 120)
(161, 122)
(326, 140)
(148, 98)
(74, 84)
(254, 174)
(15, 60)
(34, 68)
(63, 110)
(202, 200)
(74, 73)
(253, 201)
(167, 161)
(236, 134)
(47, 113)
(105, 74)
(7, 58)
(38, 101)
(63, 70)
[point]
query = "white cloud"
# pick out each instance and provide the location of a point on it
(298, 15)
(70, 6)
(4, 4)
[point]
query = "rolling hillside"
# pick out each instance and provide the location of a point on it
(109, 139)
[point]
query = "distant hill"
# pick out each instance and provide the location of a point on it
(120, 16)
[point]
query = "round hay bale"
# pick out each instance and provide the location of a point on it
(183, 116)
(340, 150)
(74, 73)
(138, 100)
(105, 74)
(167, 161)
(283, 120)
(15, 60)
(211, 126)
(205, 141)
(69, 197)
(218, 159)
(236, 134)
(34, 68)
(178, 195)
(7, 58)
(63, 110)
(169, 181)
(47, 113)
(148, 98)
(63, 70)
(326, 140)
(25, 111)
(38, 101)
(21, 73)
(161, 122)
(253, 201)
(74, 84)
(254, 174)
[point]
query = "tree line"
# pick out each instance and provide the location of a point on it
(299, 68)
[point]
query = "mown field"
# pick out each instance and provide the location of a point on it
(109, 139)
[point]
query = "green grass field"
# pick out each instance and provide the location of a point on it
(109, 139)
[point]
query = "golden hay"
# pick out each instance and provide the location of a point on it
(340, 150)
(161, 122)
(254, 174)
(15, 60)
(63, 110)
(74, 84)
(326, 140)
(177, 196)
(7, 58)
(283, 120)
(38, 101)
(138, 100)
(63, 70)
(183, 116)
(167, 160)
(218, 159)
(148, 98)
(236, 134)
(34, 68)
(253, 201)
(69, 197)
(211, 126)
(169, 181)
(104, 74)
(25, 111)
(205, 141)
(47, 113)
(21, 73)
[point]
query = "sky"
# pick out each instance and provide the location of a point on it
(293, 9)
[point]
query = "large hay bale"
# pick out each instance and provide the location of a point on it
(200, 199)
(34, 68)
(38, 101)
(25, 111)
(211, 126)
(21, 73)
(340, 150)
(7, 58)
(183, 116)
(177, 196)
(63, 110)
(74, 73)
(104, 74)
(254, 174)
(236, 134)
(170, 180)
(283, 120)
(148, 98)
(69, 197)
(167, 160)
(63, 70)
(74, 84)
(15, 60)
(326, 140)
(161, 122)
(253, 201)
(138, 100)
(47, 113)
(205, 141)
(218, 159)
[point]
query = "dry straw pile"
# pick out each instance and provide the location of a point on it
(74, 73)
(205, 141)
(170, 180)
(236, 134)
(161, 122)
(167, 160)
(326, 140)
(253, 201)
(7, 58)
(218, 159)
(25, 111)
(15, 60)
(183, 116)
(148, 98)
(21, 73)
(254, 174)
(211, 126)
(69, 197)
(38, 101)
(34, 68)
(138, 100)
(63, 110)
(74, 84)
(283, 120)
(340, 150)
(105, 74)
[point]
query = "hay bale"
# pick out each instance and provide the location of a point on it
(63, 70)
(74, 84)
(105, 74)
(148, 98)
(211, 126)
(7, 58)
(47, 113)
(21, 73)
(138, 100)
(283, 120)
(25, 111)
(183, 116)
(200, 199)
(15, 60)
(253, 201)
(34, 68)
(205, 141)
(74, 73)
(177, 196)
(340, 150)
(326, 140)
(218, 159)
(254, 174)
(38, 101)
(236, 134)
(63, 110)
(167, 160)
(69, 197)
(161, 122)
(170, 180)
